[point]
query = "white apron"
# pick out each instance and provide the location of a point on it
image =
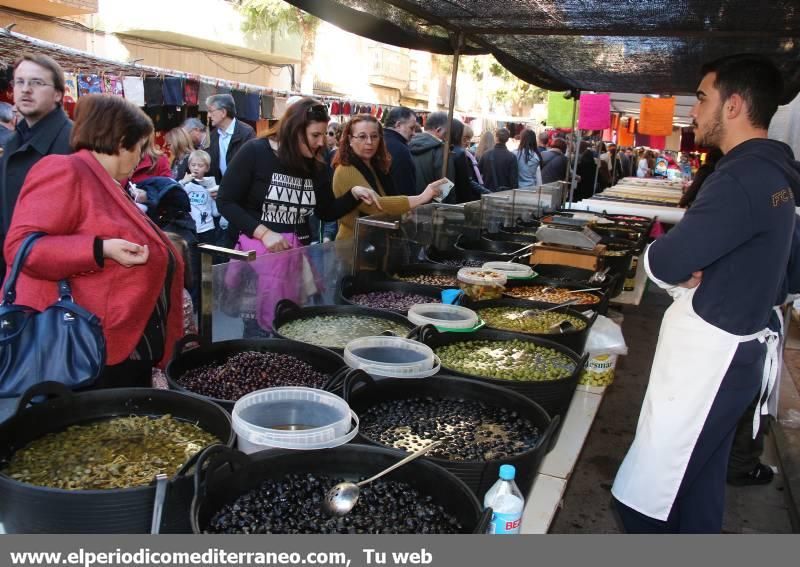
(691, 359)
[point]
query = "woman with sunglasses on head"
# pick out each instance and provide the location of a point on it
(362, 160)
(268, 193)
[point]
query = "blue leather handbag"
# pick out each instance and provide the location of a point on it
(63, 343)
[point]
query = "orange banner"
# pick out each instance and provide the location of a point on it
(624, 135)
(655, 118)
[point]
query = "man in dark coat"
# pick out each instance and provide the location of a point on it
(43, 130)
(554, 162)
(499, 166)
(399, 129)
(227, 133)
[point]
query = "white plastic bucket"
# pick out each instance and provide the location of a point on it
(391, 357)
(445, 316)
(292, 418)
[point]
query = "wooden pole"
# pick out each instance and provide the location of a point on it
(459, 44)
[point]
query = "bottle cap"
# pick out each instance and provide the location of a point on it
(507, 472)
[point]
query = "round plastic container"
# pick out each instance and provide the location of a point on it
(512, 270)
(292, 418)
(444, 316)
(391, 357)
(480, 284)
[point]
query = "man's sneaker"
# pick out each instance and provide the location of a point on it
(761, 474)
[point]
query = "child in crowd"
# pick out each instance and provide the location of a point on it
(189, 325)
(202, 193)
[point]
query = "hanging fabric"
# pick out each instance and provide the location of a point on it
(280, 107)
(133, 89)
(89, 84)
(559, 110)
(173, 91)
(190, 91)
(594, 112)
(206, 90)
(112, 84)
(267, 106)
(153, 91)
(656, 115)
(624, 136)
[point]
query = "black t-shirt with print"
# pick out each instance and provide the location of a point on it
(258, 189)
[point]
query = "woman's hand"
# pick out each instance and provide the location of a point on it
(367, 195)
(431, 191)
(125, 253)
(274, 242)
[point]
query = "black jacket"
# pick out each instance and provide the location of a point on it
(241, 133)
(554, 166)
(48, 136)
(426, 151)
(499, 168)
(402, 171)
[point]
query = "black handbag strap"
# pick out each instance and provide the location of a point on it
(10, 289)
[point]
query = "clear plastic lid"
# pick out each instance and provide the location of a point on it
(512, 270)
(440, 315)
(481, 276)
(393, 357)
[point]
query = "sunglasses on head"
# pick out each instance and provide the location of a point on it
(317, 112)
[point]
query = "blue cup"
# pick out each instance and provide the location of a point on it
(452, 296)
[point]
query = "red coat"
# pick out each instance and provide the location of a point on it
(73, 199)
(141, 172)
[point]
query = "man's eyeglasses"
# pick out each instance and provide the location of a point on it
(32, 83)
(363, 138)
(317, 113)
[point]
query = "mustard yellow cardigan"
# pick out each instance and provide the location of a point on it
(345, 177)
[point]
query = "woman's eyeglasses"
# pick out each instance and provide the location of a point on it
(363, 138)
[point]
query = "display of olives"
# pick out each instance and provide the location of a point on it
(293, 505)
(512, 319)
(461, 263)
(122, 452)
(546, 294)
(391, 299)
(468, 430)
(518, 360)
(439, 280)
(249, 371)
(335, 331)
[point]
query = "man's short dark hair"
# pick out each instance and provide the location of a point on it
(48, 63)
(436, 120)
(502, 135)
(544, 138)
(223, 102)
(104, 122)
(753, 77)
(399, 114)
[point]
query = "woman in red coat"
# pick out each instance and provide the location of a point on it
(120, 265)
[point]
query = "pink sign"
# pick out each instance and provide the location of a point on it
(595, 112)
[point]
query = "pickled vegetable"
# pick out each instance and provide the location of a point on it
(555, 295)
(512, 319)
(122, 452)
(522, 361)
(439, 280)
(335, 331)
(391, 299)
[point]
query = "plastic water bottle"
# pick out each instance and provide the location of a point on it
(506, 502)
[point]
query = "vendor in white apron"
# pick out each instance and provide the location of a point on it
(724, 265)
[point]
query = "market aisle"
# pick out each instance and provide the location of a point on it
(586, 504)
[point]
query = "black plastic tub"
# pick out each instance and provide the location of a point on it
(602, 297)
(557, 275)
(553, 395)
(427, 270)
(25, 508)
(362, 392)
(287, 311)
(367, 282)
(455, 258)
(321, 359)
(229, 474)
(572, 339)
(503, 250)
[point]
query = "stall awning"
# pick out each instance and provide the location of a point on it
(647, 46)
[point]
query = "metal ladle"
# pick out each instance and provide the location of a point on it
(343, 497)
(536, 312)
